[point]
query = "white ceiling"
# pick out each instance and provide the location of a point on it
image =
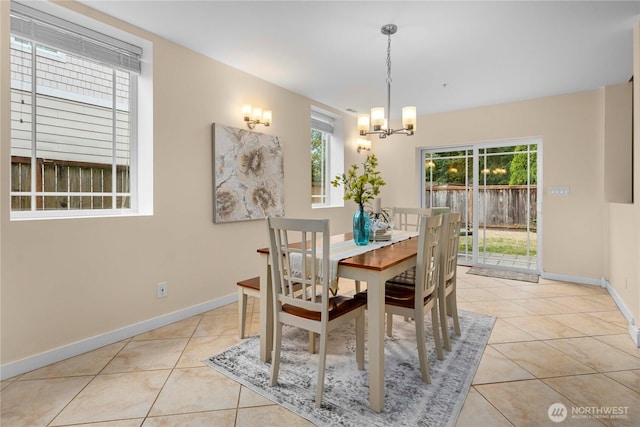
(445, 56)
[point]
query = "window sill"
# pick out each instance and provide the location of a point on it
(318, 206)
(79, 214)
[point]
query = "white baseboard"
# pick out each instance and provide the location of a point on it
(621, 305)
(634, 332)
(572, 279)
(30, 363)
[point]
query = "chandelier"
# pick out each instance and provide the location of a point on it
(378, 119)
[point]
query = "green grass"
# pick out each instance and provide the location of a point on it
(500, 245)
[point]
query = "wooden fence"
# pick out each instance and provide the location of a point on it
(68, 177)
(506, 205)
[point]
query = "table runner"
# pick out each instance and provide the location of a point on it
(344, 250)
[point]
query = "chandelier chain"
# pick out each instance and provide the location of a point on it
(389, 58)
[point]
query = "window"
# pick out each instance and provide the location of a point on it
(319, 174)
(74, 116)
(326, 153)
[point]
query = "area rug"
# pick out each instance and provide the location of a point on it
(408, 401)
(504, 274)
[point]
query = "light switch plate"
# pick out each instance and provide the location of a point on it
(559, 191)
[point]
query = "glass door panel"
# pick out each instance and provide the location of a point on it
(448, 183)
(507, 207)
(494, 186)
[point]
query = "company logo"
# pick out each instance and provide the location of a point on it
(557, 412)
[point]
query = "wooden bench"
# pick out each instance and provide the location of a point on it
(246, 288)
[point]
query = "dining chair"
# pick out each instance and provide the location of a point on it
(447, 295)
(406, 219)
(421, 298)
(301, 290)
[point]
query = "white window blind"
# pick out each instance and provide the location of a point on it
(322, 122)
(50, 30)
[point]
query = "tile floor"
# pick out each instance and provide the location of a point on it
(553, 342)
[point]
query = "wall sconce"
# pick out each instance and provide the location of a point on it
(364, 144)
(256, 116)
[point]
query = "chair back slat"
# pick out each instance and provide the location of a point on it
(427, 263)
(297, 268)
(452, 238)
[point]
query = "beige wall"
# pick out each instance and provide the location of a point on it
(622, 255)
(63, 281)
(571, 128)
(618, 142)
(67, 280)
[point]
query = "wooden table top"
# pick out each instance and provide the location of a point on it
(375, 259)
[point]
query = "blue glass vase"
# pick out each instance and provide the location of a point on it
(361, 226)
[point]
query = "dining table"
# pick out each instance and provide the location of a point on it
(375, 267)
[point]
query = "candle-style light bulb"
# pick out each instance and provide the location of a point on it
(246, 112)
(377, 118)
(363, 124)
(266, 117)
(409, 118)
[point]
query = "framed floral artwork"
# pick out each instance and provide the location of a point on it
(248, 175)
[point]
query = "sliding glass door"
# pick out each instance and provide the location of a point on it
(494, 186)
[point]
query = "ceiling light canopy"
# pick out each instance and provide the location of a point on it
(378, 120)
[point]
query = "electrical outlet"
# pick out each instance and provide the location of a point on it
(161, 289)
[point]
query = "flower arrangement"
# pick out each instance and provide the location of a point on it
(364, 187)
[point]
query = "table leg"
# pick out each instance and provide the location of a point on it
(376, 343)
(266, 311)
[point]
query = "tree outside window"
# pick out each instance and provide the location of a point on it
(319, 153)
